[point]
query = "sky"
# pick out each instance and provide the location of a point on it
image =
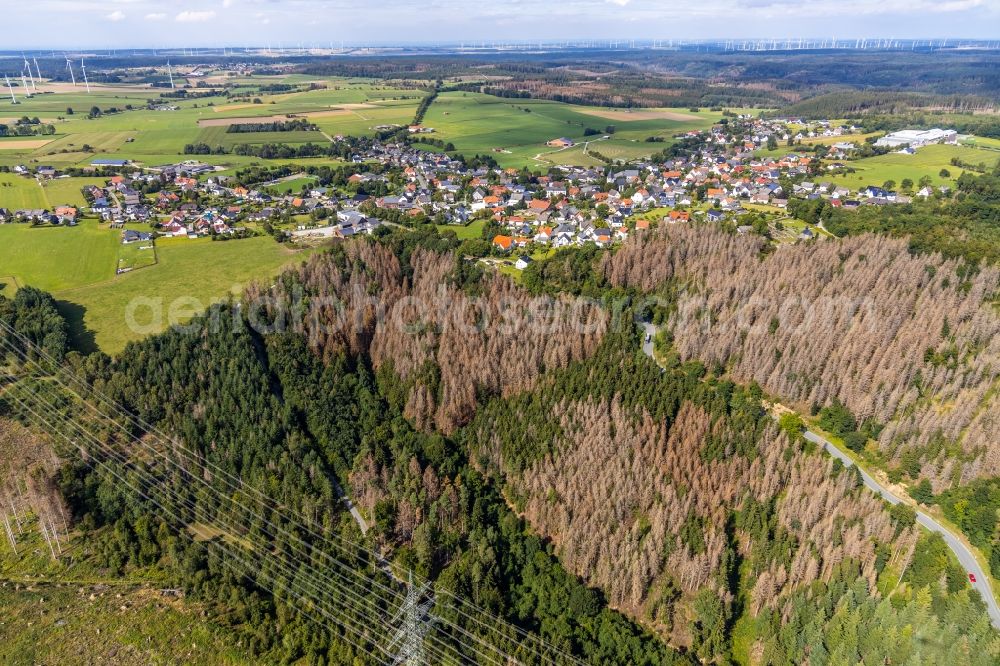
(55, 24)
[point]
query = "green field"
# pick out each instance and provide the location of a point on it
(57, 258)
(293, 186)
(18, 192)
(158, 137)
(134, 256)
(469, 231)
(484, 124)
(219, 136)
(69, 190)
(188, 277)
(928, 161)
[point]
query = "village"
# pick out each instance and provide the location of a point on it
(718, 176)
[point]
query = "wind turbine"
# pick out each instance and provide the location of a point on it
(170, 73)
(84, 68)
(39, 71)
(69, 66)
(11, 89)
(28, 67)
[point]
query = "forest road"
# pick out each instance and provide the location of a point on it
(965, 556)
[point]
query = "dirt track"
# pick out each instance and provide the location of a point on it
(637, 114)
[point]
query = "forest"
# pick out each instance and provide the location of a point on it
(706, 76)
(906, 340)
(728, 533)
(510, 444)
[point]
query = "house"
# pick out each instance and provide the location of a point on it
(523, 262)
(66, 214)
(539, 205)
(715, 215)
(131, 236)
(602, 236)
(109, 163)
(561, 142)
(873, 192)
(503, 242)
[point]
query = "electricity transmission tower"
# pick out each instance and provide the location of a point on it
(414, 621)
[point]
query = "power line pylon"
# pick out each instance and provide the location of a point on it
(414, 621)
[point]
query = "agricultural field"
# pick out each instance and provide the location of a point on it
(515, 131)
(928, 161)
(189, 276)
(152, 137)
(219, 136)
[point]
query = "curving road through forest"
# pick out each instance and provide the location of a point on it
(962, 552)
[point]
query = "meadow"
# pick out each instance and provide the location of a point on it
(293, 186)
(188, 277)
(472, 230)
(134, 256)
(57, 258)
(17, 192)
(928, 161)
(62, 191)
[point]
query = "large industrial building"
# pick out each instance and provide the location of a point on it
(916, 138)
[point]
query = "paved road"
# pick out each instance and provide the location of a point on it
(965, 557)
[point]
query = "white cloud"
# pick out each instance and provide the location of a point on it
(620, 3)
(158, 16)
(116, 15)
(228, 3)
(195, 17)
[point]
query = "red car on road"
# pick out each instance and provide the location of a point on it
(972, 577)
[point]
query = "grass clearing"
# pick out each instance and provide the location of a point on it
(75, 613)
